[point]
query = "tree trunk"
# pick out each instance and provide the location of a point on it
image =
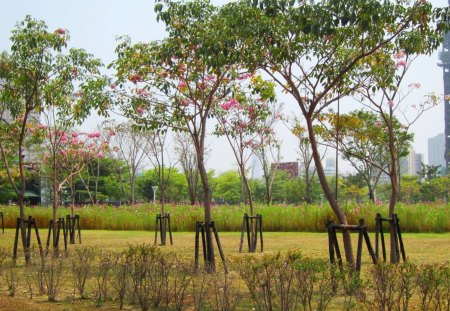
(55, 208)
(395, 190)
(210, 260)
(329, 194)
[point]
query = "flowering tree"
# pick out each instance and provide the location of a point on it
(178, 81)
(383, 93)
(240, 120)
(316, 51)
(40, 72)
(65, 154)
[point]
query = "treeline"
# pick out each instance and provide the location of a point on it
(109, 182)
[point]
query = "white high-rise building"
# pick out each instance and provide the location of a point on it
(411, 164)
(436, 151)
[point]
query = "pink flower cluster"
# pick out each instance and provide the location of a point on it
(232, 103)
(401, 63)
(244, 76)
(140, 110)
(142, 92)
(399, 55)
(378, 124)
(61, 31)
(95, 134)
(135, 78)
(414, 85)
(182, 84)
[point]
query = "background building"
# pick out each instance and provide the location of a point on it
(436, 152)
(411, 164)
(444, 57)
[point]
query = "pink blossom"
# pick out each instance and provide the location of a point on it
(135, 78)
(390, 103)
(112, 133)
(185, 102)
(182, 84)
(401, 63)
(63, 152)
(95, 134)
(91, 146)
(143, 92)
(242, 125)
(232, 103)
(244, 76)
(99, 155)
(64, 139)
(60, 31)
(378, 123)
(140, 110)
(399, 55)
(42, 127)
(75, 134)
(74, 141)
(210, 78)
(414, 85)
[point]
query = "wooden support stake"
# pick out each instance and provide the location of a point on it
(3, 223)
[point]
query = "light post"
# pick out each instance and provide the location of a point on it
(154, 188)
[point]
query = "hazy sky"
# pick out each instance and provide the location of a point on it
(94, 25)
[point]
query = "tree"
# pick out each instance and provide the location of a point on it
(177, 82)
(241, 121)
(175, 185)
(267, 149)
(131, 145)
(34, 75)
(316, 51)
(186, 156)
(362, 141)
(306, 157)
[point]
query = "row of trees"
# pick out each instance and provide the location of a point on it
(223, 65)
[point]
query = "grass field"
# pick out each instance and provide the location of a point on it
(420, 248)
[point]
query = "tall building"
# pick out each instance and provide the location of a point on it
(444, 58)
(436, 151)
(411, 164)
(330, 167)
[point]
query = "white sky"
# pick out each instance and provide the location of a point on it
(94, 25)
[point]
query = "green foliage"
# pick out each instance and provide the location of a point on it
(175, 188)
(227, 186)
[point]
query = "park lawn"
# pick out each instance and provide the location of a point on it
(420, 247)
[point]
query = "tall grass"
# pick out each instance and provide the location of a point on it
(413, 218)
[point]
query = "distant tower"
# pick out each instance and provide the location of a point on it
(444, 57)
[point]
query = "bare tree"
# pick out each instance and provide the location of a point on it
(131, 145)
(187, 157)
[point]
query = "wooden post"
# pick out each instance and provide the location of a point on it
(400, 239)
(261, 232)
(203, 228)
(3, 223)
(197, 231)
